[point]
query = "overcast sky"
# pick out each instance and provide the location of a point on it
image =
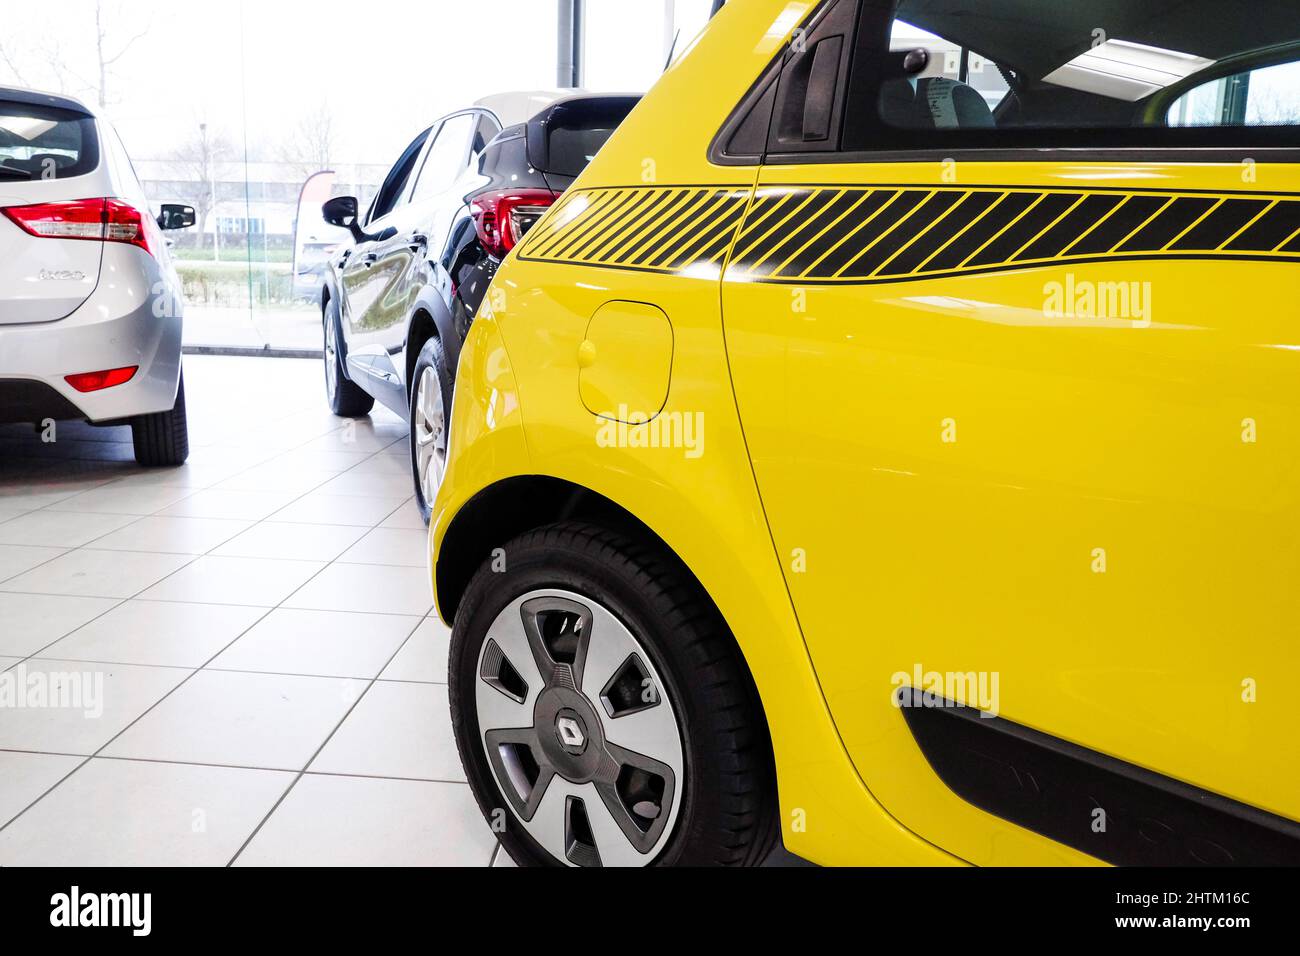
(383, 70)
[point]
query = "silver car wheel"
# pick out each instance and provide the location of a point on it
(430, 429)
(331, 359)
(579, 731)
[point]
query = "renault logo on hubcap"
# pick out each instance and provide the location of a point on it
(570, 733)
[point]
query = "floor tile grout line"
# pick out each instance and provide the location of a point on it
(192, 492)
(307, 767)
(151, 707)
(138, 717)
(239, 636)
(235, 766)
(188, 563)
(419, 614)
(241, 670)
(62, 552)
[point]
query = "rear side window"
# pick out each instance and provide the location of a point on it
(446, 158)
(483, 133)
(394, 187)
(38, 142)
(1088, 73)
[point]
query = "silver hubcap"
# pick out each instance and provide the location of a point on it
(577, 729)
(430, 432)
(331, 359)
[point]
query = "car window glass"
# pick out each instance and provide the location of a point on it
(44, 142)
(1086, 73)
(446, 157)
(1268, 96)
(392, 192)
(484, 132)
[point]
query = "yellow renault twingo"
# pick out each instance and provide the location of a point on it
(891, 445)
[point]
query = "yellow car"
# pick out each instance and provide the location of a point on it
(891, 445)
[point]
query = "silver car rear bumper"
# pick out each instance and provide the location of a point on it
(132, 318)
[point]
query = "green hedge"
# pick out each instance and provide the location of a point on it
(227, 283)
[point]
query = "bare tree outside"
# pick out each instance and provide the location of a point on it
(198, 159)
(48, 65)
(108, 50)
(312, 144)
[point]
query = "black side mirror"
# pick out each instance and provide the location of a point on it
(175, 216)
(342, 211)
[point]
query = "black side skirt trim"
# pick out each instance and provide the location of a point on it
(1056, 788)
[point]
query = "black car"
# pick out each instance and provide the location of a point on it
(396, 304)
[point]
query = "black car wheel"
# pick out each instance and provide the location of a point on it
(345, 397)
(430, 419)
(602, 711)
(163, 438)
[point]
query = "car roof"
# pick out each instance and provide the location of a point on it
(516, 106)
(513, 108)
(15, 94)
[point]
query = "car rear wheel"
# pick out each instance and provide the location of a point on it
(163, 438)
(346, 399)
(430, 419)
(602, 711)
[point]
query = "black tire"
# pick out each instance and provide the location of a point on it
(346, 398)
(431, 357)
(729, 813)
(163, 438)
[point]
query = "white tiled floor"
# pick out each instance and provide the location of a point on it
(273, 682)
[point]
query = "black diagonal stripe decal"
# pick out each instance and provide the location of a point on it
(1000, 215)
(828, 219)
(1218, 227)
(1036, 219)
(827, 241)
(669, 250)
(869, 231)
(1269, 230)
(888, 233)
(762, 255)
(627, 245)
(1117, 226)
(932, 240)
(694, 249)
(1168, 225)
(611, 225)
(909, 228)
(1072, 227)
(696, 199)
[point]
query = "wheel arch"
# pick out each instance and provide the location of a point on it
(512, 506)
(515, 505)
(508, 508)
(429, 317)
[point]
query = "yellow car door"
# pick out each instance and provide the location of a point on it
(1013, 329)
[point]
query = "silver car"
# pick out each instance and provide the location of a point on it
(90, 304)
